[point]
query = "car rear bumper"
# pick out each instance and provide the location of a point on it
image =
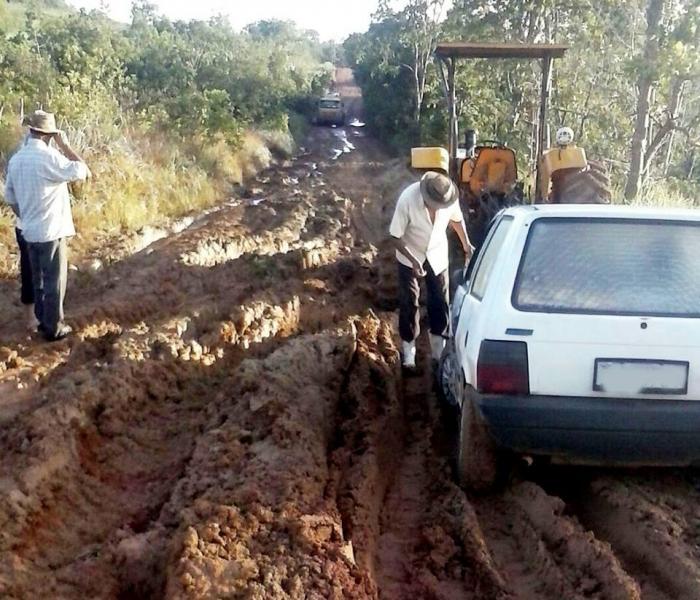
(331, 116)
(596, 430)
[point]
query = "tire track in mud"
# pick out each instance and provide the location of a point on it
(435, 541)
(285, 504)
(94, 462)
(88, 472)
(651, 520)
(544, 553)
(431, 539)
(405, 567)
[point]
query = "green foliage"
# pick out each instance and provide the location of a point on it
(197, 79)
(207, 78)
(163, 111)
(595, 85)
(377, 57)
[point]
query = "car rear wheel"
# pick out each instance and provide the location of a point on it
(477, 463)
(449, 378)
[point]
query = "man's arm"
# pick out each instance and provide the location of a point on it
(67, 165)
(397, 229)
(457, 224)
(64, 147)
(10, 197)
(400, 245)
(458, 228)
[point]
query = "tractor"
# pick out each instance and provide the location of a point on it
(330, 110)
(486, 172)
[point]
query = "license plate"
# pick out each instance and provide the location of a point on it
(635, 376)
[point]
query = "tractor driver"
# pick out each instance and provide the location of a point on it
(424, 211)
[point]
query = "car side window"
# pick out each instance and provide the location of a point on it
(488, 257)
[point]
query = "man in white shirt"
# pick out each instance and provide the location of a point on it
(418, 228)
(25, 268)
(36, 189)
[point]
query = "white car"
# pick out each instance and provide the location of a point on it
(577, 337)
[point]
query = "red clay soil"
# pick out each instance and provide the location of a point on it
(230, 421)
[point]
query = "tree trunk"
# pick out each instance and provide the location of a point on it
(424, 18)
(417, 91)
(668, 128)
(690, 165)
(645, 86)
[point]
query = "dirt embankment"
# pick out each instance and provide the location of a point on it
(231, 422)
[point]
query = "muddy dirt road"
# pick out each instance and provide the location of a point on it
(230, 421)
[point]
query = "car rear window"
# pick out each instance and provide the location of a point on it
(329, 104)
(488, 257)
(610, 266)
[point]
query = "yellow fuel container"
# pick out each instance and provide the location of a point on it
(430, 158)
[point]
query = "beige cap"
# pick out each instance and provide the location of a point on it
(438, 190)
(42, 122)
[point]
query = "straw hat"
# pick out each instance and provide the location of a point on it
(42, 122)
(437, 190)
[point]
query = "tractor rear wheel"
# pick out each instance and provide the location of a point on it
(480, 213)
(585, 186)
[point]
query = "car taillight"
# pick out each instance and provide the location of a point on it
(503, 368)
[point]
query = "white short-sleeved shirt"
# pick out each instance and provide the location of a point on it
(426, 240)
(36, 183)
(18, 221)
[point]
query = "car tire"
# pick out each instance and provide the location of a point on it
(477, 458)
(448, 377)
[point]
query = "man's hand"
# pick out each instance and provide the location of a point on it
(62, 144)
(415, 265)
(61, 139)
(418, 270)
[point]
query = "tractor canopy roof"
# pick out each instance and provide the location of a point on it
(498, 50)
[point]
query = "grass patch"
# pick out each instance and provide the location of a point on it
(298, 127)
(148, 180)
(128, 194)
(670, 193)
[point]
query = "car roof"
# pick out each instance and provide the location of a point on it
(535, 211)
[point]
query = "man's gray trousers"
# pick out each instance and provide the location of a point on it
(49, 274)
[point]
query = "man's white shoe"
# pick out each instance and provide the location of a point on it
(437, 345)
(409, 354)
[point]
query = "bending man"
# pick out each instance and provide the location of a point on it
(423, 213)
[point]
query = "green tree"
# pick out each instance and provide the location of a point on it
(596, 89)
(667, 64)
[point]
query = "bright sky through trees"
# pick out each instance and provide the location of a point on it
(333, 20)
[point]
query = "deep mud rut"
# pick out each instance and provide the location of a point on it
(230, 421)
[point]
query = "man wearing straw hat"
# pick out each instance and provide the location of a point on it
(36, 189)
(418, 228)
(25, 269)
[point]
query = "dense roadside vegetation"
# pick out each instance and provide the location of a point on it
(168, 114)
(629, 86)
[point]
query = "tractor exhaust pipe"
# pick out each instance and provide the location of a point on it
(470, 142)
